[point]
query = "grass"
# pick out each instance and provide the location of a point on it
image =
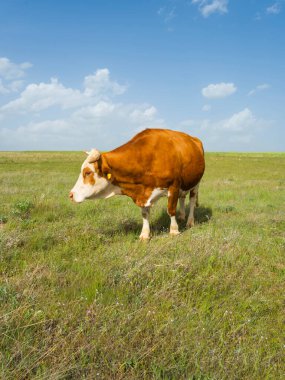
(82, 298)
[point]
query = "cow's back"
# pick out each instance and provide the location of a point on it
(159, 158)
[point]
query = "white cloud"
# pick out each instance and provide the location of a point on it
(208, 7)
(38, 97)
(11, 71)
(143, 114)
(240, 121)
(274, 8)
(98, 110)
(233, 133)
(11, 75)
(103, 125)
(3, 89)
(57, 117)
(99, 83)
(14, 86)
(260, 87)
(219, 90)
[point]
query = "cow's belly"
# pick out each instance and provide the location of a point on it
(158, 193)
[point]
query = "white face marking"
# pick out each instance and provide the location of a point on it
(100, 189)
(155, 195)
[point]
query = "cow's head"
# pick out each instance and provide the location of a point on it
(90, 184)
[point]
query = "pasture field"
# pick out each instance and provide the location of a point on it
(82, 298)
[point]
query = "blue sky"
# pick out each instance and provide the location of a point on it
(81, 74)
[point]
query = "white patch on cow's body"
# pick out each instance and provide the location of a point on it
(155, 195)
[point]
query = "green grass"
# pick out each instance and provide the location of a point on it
(82, 298)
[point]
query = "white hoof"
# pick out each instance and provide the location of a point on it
(144, 237)
(174, 232)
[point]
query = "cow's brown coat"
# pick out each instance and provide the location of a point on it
(155, 158)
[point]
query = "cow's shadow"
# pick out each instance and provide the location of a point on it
(160, 224)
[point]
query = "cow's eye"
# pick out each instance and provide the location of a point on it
(86, 173)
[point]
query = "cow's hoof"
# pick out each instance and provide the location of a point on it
(190, 223)
(181, 217)
(144, 237)
(174, 233)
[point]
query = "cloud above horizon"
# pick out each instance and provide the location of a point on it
(239, 128)
(38, 97)
(274, 8)
(208, 7)
(53, 115)
(219, 90)
(11, 75)
(260, 87)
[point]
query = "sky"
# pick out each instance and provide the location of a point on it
(82, 74)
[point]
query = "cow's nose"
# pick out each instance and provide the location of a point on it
(71, 196)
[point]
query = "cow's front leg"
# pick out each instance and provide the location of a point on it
(145, 234)
(173, 194)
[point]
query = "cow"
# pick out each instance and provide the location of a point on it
(153, 163)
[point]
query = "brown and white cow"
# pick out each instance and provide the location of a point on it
(155, 162)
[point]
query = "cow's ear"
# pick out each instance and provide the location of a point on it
(93, 156)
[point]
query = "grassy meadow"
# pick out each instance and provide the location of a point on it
(82, 298)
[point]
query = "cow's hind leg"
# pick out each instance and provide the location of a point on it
(181, 215)
(173, 194)
(193, 203)
(145, 234)
(197, 199)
